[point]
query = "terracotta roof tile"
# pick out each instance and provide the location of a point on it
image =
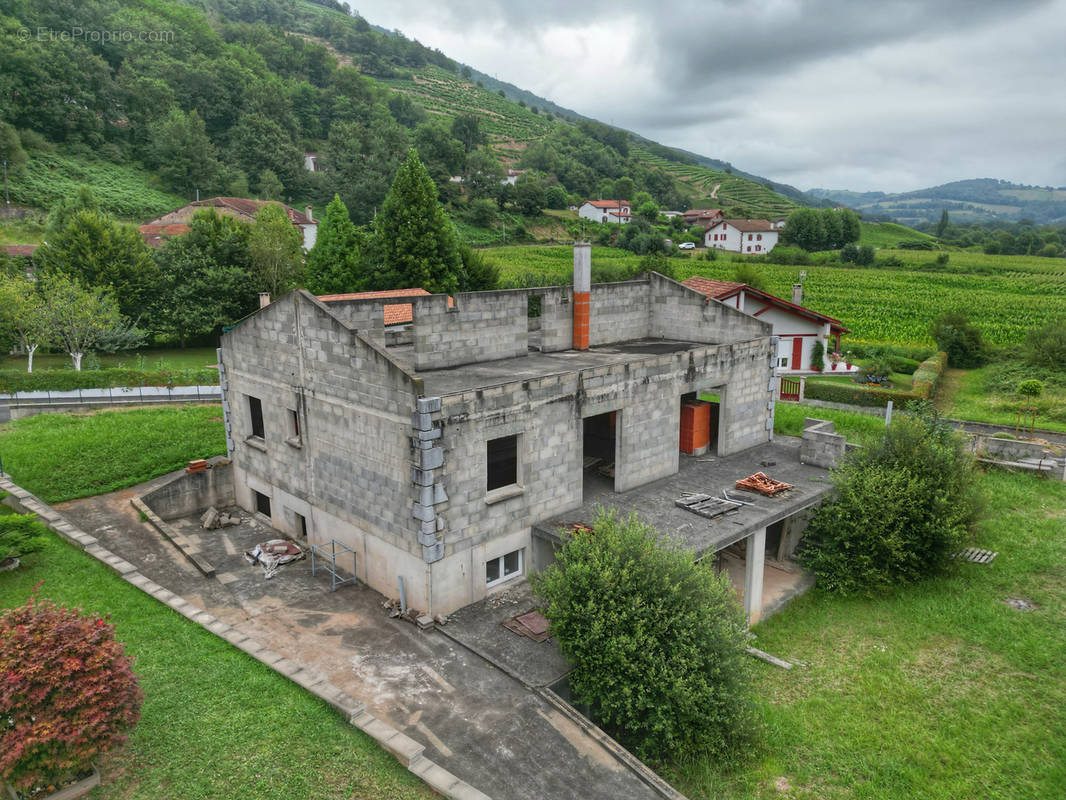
(20, 249)
(395, 314)
(712, 288)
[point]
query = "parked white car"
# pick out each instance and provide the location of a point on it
(687, 246)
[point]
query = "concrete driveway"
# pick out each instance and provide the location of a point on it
(476, 721)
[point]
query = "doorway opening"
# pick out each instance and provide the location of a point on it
(599, 447)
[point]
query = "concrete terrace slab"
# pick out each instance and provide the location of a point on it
(480, 627)
(654, 502)
(535, 365)
(473, 720)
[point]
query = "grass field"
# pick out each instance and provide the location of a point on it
(63, 456)
(857, 427)
(188, 358)
(215, 722)
(976, 395)
(1005, 296)
(941, 691)
(889, 235)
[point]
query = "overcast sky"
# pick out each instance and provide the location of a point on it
(844, 94)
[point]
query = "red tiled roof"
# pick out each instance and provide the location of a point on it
(722, 290)
(250, 207)
(155, 235)
(20, 249)
(606, 203)
(748, 225)
(395, 314)
(702, 212)
(712, 288)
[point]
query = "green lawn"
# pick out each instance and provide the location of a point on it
(857, 427)
(215, 722)
(62, 456)
(889, 234)
(188, 358)
(977, 395)
(941, 691)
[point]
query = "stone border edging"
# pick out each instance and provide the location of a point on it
(405, 749)
(174, 538)
(643, 772)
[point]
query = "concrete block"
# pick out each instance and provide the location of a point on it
(424, 513)
(439, 495)
(426, 436)
(421, 422)
(422, 477)
(427, 539)
(433, 553)
(428, 405)
(432, 458)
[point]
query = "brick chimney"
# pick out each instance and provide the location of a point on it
(264, 299)
(797, 294)
(582, 286)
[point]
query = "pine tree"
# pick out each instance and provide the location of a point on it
(418, 244)
(942, 226)
(333, 263)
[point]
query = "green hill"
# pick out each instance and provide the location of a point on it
(889, 234)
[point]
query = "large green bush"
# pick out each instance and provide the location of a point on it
(1046, 346)
(902, 507)
(656, 640)
(961, 340)
(20, 534)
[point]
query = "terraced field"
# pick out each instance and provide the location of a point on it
(1016, 294)
(442, 92)
(720, 189)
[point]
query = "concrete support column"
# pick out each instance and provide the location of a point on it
(754, 564)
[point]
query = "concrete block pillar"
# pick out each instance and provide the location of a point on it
(754, 564)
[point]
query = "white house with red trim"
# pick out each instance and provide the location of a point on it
(799, 330)
(748, 236)
(618, 211)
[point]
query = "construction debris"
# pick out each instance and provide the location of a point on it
(1019, 604)
(769, 659)
(764, 484)
(272, 554)
(533, 625)
(199, 465)
(212, 519)
(976, 555)
(706, 505)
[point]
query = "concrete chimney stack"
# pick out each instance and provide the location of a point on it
(582, 287)
(264, 299)
(797, 293)
(307, 213)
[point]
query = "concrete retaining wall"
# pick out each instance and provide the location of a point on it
(820, 446)
(193, 492)
(1007, 449)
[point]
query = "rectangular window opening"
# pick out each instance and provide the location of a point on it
(294, 424)
(502, 462)
(301, 525)
(503, 568)
(255, 410)
(262, 503)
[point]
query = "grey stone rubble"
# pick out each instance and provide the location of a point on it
(409, 752)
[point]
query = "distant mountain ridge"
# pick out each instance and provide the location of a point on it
(976, 200)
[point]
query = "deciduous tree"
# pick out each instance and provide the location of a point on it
(275, 249)
(23, 315)
(79, 320)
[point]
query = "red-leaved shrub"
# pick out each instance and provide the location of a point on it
(67, 691)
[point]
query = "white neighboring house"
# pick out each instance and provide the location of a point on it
(311, 162)
(799, 330)
(605, 211)
(742, 235)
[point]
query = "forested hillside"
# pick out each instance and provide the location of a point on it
(225, 96)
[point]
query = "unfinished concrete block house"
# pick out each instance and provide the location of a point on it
(434, 452)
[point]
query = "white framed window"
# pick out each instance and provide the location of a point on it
(503, 568)
(782, 362)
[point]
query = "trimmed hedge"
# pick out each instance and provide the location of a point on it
(59, 380)
(926, 378)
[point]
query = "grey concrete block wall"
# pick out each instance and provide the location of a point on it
(820, 446)
(193, 492)
(618, 312)
(678, 312)
(481, 326)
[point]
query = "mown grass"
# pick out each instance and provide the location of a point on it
(969, 395)
(940, 691)
(187, 358)
(889, 234)
(64, 456)
(215, 723)
(857, 427)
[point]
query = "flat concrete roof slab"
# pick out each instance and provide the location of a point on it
(654, 502)
(453, 380)
(479, 627)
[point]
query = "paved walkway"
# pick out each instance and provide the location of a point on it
(475, 721)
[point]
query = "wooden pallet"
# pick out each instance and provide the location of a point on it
(763, 483)
(706, 505)
(976, 555)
